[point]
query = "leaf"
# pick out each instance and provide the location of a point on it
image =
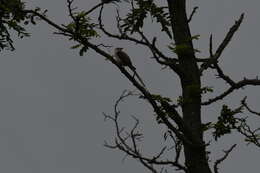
(75, 46)
(83, 50)
(195, 37)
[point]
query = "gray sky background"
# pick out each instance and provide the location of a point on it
(52, 100)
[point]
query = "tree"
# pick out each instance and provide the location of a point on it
(183, 117)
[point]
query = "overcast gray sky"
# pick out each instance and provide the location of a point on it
(52, 100)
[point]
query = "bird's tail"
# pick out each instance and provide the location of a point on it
(136, 74)
(140, 79)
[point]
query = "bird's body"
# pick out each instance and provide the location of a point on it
(124, 60)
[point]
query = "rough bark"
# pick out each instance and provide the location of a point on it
(195, 157)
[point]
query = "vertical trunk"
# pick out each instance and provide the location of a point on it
(195, 158)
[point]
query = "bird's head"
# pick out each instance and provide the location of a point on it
(118, 49)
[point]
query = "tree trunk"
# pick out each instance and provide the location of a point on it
(195, 157)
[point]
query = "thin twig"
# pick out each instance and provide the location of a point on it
(192, 13)
(229, 36)
(214, 58)
(218, 161)
(243, 102)
(235, 86)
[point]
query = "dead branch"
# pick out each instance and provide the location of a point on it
(234, 86)
(243, 102)
(251, 136)
(214, 58)
(228, 37)
(194, 10)
(226, 153)
(128, 141)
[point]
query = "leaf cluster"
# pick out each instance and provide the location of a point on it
(11, 16)
(14, 17)
(160, 99)
(82, 26)
(135, 19)
(182, 48)
(227, 121)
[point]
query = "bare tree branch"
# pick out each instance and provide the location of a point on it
(243, 102)
(210, 46)
(122, 142)
(228, 37)
(171, 62)
(119, 37)
(44, 18)
(192, 13)
(214, 58)
(235, 86)
(218, 161)
(146, 94)
(252, 136)
(223, 76)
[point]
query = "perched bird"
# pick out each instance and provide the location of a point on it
(124, 60)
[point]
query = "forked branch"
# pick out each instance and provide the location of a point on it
(233, 87)
(128, 142)
(214, 57)
(243, 102)
(220, 160)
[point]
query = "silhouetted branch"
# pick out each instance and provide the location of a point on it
(71, 9)
(127, 141)
(223, 76)
(235, 86)
(44, 18)
(192, 13)
(252, 136)
(143, 41)
(218, 161)
(119, 37)
(243, 102)
(228, 37)
(158, 55)
(214, 58)
(210, 46)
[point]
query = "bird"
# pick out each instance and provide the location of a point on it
(124, 60)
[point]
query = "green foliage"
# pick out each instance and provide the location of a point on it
(10, 16)
(207, 126)
(13, 17)
(179, 49)
(83, 27)
(184, 47)
(135, 19)
(195, 37)
(227, 121)
(161, 100)
(207, 89)
(180, 100)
